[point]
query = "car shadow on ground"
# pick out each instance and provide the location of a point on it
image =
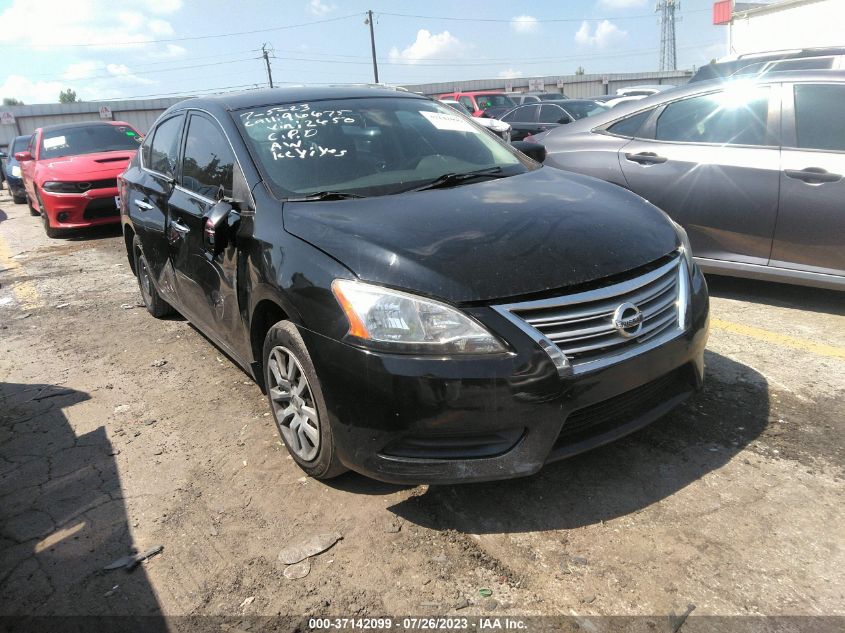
(93, 233)
(618, 479)
(777, 295)
(63, 517)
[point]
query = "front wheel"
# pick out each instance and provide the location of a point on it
(52, 233)
(155, 305)
(296, 400)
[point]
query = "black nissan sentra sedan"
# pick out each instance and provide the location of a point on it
(420, 301)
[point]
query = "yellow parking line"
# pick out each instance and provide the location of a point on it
(819, 349)
(25, 292)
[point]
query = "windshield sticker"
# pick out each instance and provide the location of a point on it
(291, 130)
(443, 121)
(55, 142)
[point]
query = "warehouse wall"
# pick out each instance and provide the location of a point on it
(141, 114)
(789, 24)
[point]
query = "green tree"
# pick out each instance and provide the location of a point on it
(67, 96)
(580, 70)
(8, 101)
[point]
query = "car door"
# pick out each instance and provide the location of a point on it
(149, 190)
(205, 281)
(810, 232)
(28, 168)
(712, 162)
(551, 116)
(523, 121)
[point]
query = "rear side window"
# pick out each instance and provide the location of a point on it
(467, 103)
(818, 114)
(165, 147)
(208, 164)
(735, 116)
(526, 113)
(551, 114)
(630, 126)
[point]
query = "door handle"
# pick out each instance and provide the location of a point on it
(813, 175)
(646, 158)
(179, 227)
(143, 206)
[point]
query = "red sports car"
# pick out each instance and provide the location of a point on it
(70, 172)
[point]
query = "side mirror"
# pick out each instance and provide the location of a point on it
(219, 226)
(564, 120)
(537, 151)
(23, 157)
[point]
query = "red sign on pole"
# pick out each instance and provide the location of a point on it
(722, 11)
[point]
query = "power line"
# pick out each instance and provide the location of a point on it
(196, 37)
(540, 20)
(149, 72)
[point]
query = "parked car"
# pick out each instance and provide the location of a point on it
(497, 127)
(520, 99)
(482, 102)
(752, 168)
(531, 119)
(421, 302)
(12, 168)
(548, 96)
(644, 90)
(727, 66)
(70, 173)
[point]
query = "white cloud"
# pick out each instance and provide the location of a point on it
(510, 73)
(319, 8)
(524, 24)
(621, 4)
(170, 51)
(52, 23)
(605, 35)
(30, 91)
(428, 45)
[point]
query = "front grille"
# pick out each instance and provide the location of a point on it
(108, 183)
(620, 410)
(599, 327)
(101, 208)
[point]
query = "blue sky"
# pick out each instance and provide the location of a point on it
(103, 51)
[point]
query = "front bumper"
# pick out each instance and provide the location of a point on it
(420, 420)
(92, 208)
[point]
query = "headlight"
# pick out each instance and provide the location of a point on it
(16, 171)
(685, 272)
(66, 187)
(390, 320)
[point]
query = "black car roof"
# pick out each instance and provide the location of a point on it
(271, 96)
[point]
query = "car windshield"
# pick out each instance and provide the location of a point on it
(369, 147)
(493, 101)
(583, 109)
(87, 140)
(460, 107)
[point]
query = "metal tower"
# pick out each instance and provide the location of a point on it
(666, 9)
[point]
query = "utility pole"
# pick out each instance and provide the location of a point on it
(267, 61)
(666, 9)
(369, 21)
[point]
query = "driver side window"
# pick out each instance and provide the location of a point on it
(165, 147)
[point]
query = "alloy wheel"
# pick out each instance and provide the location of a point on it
(145, 281)
(293, 404)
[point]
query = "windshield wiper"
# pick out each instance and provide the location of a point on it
(326, 195)
(452, 179)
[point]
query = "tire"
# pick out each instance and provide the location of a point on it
(32, 210)
(21, 200)
(309, 421)
(51, 232)
(155, 305)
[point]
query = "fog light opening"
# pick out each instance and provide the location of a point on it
(62, 216)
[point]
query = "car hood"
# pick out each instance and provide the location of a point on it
(493, 124)
(101, 165)
(542, 230)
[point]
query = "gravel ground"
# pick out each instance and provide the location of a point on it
(119, 433)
